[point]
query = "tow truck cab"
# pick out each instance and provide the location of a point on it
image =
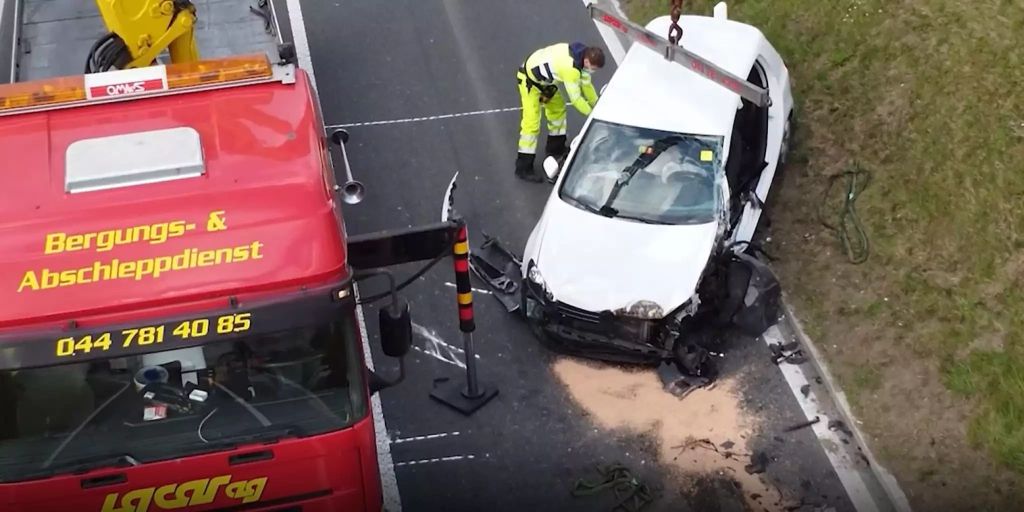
(179, 328)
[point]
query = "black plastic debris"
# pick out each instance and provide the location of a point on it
(753, 295)
(758, 463)
(801, 425)
(499, 269)
(839, 426)
(677, 383)
(780, 354)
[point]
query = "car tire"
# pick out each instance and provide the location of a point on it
(787, 140)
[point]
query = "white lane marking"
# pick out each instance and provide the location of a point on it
(453, 361)
(424, 438)
(475, 290)
(844, 465)
(386, 466)
(611, 40)
(388, 480)
(451, 458)
(438, 349)
(299, 38)
(427, 118)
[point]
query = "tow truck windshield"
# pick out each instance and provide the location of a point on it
(133, 410)
(645, 175)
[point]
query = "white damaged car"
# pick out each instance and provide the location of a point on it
(642, 241)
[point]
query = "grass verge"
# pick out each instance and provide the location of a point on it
(928, 334)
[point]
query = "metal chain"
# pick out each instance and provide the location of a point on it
(675, 32)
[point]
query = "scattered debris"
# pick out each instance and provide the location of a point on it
(499, 269)
(678, 383)
(262, 10)
(727, 445)
(690, 434)
(838, 425)
(631, 495)
(805, 424)
(789, 353)
(758, 463)
(805, 390)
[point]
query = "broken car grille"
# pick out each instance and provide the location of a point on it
(578, 314)
(632, 329)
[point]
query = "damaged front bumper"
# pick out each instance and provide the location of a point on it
(598, 335)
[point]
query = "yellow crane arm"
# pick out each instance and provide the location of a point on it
(147, 27)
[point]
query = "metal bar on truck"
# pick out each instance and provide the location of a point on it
(707, 69)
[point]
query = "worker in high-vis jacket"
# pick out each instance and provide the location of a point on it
(568, 64)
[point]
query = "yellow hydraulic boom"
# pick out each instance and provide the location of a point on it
(139, 30)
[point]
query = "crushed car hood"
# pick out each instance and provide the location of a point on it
(599, 263)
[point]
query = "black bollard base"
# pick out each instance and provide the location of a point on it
(453, 393)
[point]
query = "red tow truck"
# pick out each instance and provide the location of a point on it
(179, 327)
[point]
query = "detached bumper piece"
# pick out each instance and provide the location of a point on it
(498, 268)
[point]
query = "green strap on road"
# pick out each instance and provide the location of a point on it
(849, 228)
(631, 495)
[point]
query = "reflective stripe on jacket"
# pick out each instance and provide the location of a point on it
(563, 63)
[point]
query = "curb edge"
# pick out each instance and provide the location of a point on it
(884, 477)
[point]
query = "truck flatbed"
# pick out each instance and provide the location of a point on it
(55, 35)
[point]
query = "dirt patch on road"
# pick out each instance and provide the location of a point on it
(704, 434)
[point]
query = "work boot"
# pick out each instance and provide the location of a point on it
(524, 168)
(556, 147)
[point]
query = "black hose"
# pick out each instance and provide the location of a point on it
(90, 57)
(108, 52)
(407, 282)
(849, 229)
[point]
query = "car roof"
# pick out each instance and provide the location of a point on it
(264, 158)
(651, 92)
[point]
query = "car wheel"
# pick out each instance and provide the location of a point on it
(784, 147)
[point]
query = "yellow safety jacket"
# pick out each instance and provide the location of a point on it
(562, 63)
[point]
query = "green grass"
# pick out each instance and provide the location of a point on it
(928, 95)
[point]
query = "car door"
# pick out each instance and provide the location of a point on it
(747, 162)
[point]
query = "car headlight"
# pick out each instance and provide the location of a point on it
(533, 275)
(645, 309)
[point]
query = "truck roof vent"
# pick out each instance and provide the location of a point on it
(133, 159)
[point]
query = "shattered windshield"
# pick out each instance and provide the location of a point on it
(142, 408)
(645, 175)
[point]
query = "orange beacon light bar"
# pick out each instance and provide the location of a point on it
(71, 91)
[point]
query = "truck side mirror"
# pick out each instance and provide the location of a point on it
(395, 328)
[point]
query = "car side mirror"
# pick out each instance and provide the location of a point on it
(551, 167)
(603, 87)
(574, 142)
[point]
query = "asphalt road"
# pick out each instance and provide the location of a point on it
(403, 59)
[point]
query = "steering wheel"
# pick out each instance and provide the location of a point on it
(689, 166)
(280, 367)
